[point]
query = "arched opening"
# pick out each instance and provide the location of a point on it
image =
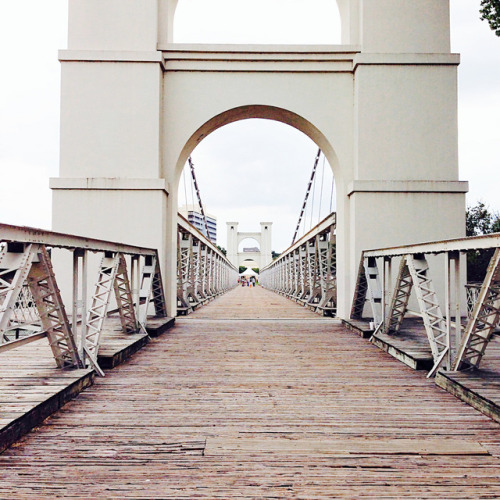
(252, 168)
(224, 167)
(256, 22)
(263, 112)
(249, 245)
(249, 264)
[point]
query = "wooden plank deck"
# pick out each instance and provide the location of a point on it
(410, 345)
(479, 388)
(32, 388)
(118, 346)
(359, 327)
(231, 404)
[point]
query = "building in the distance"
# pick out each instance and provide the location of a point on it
(193, 214)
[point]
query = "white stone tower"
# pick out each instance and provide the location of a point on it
(232, 243)
(264, 239)
(134, 106)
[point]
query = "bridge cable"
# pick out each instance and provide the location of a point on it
(321, 191)
(191, 165)
(312, 203)
(316, 161)
(185, 186)
(331, 194)
(192, 191)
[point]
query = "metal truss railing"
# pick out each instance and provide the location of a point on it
(307, 271)
(418, 270)
(203, 272)
(31, 305)
(472, 290)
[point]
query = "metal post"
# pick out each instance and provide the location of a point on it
(384, 295)
(447, 271)
(458, 301)
(74, 311)
(136, 282)
(84, 308)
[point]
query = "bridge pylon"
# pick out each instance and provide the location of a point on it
(382, 107)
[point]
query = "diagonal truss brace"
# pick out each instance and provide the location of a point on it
(358, 303)
(124, 300)
(112, 277)
(31, 265)
(151, 287)
(434, 322)
(484, 319)
(368, 289)
(14, 270)
(400, 299)
(53, 316)
(327, 273)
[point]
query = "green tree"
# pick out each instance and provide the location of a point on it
(490, 12)
(479, 220)
(222, 249)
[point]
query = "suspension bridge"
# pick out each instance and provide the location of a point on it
(253, 392)
(362, 366)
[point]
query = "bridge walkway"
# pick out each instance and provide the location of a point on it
(253, 396)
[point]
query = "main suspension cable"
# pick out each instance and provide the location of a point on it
(191, 165)
(321, 192)
(316, 161)
(331, 194)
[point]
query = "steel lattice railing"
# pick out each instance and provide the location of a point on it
(306, 272)
(419, 268)
(203, 272)
(31, 304)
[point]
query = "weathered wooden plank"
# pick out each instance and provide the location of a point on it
(361, 328)
(45, 403)
(469, 390)
(410, 355)
(222, 446)
(118, 348)
(158, 326)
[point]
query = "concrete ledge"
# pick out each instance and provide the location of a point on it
(480, 389)
(110, 56)
(380, 186)
(259, 58)
(23, 422)
(269, 66)
(109, 183)
(374, 59)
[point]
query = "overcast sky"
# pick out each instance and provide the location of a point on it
(232, 162)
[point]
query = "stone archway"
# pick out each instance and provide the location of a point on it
(261, 257)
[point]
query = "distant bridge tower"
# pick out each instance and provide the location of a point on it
(264, 239)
